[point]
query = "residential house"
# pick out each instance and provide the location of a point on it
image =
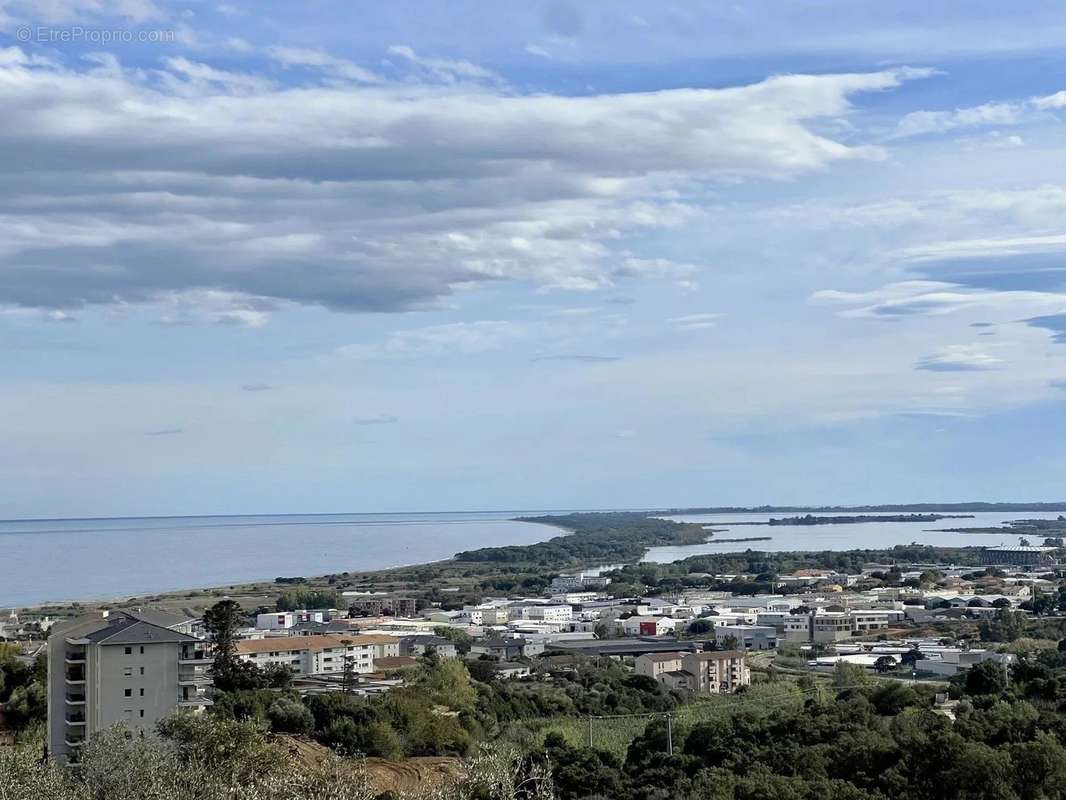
(418, 645)
(654, 665)
(648, 625)
(506, 649)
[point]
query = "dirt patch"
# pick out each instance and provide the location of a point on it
(408, 775)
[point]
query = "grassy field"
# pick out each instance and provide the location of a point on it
(615, 733)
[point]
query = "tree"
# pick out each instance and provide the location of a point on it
(482, 669)
(348, 675)
(699, 627)
(1004, 626)
(221, 621)
(290, 716)
(986, 677)
(910, 657)
(885, 664)
(847, 675)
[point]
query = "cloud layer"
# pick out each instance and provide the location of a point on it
(227, 196)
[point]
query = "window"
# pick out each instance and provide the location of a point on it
(142, 670)
(142, 695)
(142, 649)
(128, 692)
(128, 651)
(142, 710)
(127, 671)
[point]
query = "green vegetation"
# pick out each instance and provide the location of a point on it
(306, 598)
(809, 519)
(208, 758)
(595, 538)
(704, 570)
(23, 690)
(876, 741)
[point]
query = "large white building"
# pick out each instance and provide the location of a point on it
(116, 668)
(545, 613)
(282, 620)
(320, 655)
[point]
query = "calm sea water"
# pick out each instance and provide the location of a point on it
(51, 560)
(860, 535)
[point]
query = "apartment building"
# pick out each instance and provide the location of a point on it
(283, 620)
(654, 665)
(115, 668)
(388, 605)
(548, 613)
(319, 654)
(747, 637)
(833, 626)
(715, 672)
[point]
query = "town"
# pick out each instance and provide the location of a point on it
(923, 623)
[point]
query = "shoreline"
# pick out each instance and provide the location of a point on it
(178, 593)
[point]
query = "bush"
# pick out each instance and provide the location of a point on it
(290, 716)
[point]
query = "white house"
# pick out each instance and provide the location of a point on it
(648, 625)
(280, 620)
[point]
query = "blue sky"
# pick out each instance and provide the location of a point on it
(323, 256)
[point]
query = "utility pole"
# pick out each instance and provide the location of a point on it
(669, 734)
(590, 731)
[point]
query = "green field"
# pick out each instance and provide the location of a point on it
(615, 733)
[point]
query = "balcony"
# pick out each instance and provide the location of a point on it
(193, 678)
(75, 675)
(75, 719)
(195, 701)
(74, 741)
(193, 698)
(74, 699)
(195, 657)
(74, 657)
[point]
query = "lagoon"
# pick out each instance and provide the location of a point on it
(844, 536)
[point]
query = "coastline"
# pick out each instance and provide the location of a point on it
(244, 587)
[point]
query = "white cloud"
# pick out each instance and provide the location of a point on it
(694, 322)
(1051, 101)
(317, 59)
(442, 69)
(907, 299)
(462, 338)
(958, 358)
(917, 123)
(139, 186)
(71, 11)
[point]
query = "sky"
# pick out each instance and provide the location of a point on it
(276, 257)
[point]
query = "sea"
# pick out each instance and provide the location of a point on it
(47, 561)
(840, 536)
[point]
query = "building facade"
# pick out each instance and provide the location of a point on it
(716, 672)
(747, 637)
(376, 606)
(104, 670)
(654, 665)
(319, 655)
